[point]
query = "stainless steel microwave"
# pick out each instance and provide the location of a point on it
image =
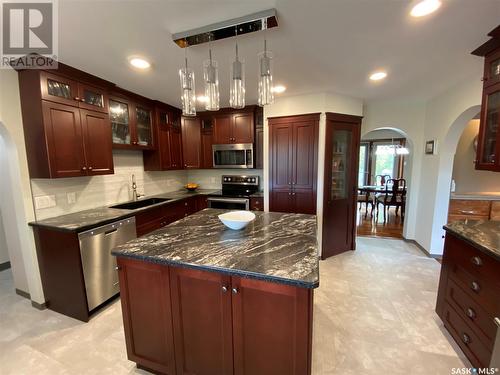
(233, 156)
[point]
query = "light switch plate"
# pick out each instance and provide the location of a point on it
(71, 198)
(45, 201)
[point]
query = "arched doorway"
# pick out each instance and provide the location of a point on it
(394, 136)
(447, 154)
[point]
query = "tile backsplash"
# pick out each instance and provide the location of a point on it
(98, 191)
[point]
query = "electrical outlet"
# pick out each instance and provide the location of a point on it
(71, 198)
(45, 201)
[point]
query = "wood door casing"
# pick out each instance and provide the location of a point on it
(243, 128)
(147, 314)
(272, 328)
(98, 144)
(202, 322)
(65, 144)
(191, 142)
(339, 214)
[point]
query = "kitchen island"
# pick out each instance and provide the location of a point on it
(199, 298)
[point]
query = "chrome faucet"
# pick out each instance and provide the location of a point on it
(135, 195)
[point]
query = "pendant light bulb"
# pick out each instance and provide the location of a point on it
(188, 91)
(266, 93)
(211, 77)
(237, 86)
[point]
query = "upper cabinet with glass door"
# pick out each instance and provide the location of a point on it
(488, 147)
(131, 123)
(60, 89)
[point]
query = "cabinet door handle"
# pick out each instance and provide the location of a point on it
(465, 338)
(475, 286)
(77, 98)
(224, 289)
(293, 193)
(467, 212)
(476, 261)
(84, 168)
(470, 313)
(235, 290)
(90, 168)
(118, 268)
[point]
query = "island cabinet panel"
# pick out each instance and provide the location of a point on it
(147, 314)
(271, 327)
(201, 308)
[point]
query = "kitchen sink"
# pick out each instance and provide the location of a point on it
(140, 203)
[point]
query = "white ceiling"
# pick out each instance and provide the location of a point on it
(320, 45)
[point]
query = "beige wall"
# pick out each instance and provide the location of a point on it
(4, 253)
(467, 178)
(15, 199)
(302, 104)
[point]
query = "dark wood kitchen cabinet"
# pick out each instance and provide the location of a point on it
(191, 142)
(235, 127)
(340, 183)
(469, 298)
(488, 149)
(221, 324)
(293, 146)
(63, 139)
(64, 90)
(207, 140)
(147, 315)
(203, 342)
(168, 152)
(132, 121)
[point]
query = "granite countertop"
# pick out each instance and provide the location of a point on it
(275, 247)
(482, 234)
(487, 196)
(83, 220)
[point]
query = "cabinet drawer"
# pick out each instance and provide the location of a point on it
(484, 267)
(476, 351)
(469, 208)
(479, 320)
(257, 204)
(486, 296)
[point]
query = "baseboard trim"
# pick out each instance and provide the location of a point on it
(4, 266)
(22, 293)
(36, 305)
(422, 249)
(39, 306)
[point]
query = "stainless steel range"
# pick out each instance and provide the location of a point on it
(235, 193)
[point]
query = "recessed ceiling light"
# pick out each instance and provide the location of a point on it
(139, 63)
(377, 76)
(425, 7)
(278, 89)
(202, 99)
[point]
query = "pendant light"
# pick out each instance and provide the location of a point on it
(211, 76)
(237, 79)
(266, 94)
(188, 96)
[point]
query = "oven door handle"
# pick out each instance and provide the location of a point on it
(245, 201)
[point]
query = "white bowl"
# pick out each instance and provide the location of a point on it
(237, 219)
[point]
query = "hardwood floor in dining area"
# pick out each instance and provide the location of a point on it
(373, 225)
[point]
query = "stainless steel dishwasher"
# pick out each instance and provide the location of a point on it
(495, 357)
(99, 266)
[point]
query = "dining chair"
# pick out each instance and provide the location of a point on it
(381, 179)
(394, 196)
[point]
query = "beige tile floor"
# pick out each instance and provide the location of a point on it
(374, 314)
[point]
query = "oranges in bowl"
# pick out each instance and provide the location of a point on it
(191, 186)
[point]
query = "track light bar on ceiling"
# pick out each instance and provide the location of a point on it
(226, 29)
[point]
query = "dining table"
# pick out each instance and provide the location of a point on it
(373, 189)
